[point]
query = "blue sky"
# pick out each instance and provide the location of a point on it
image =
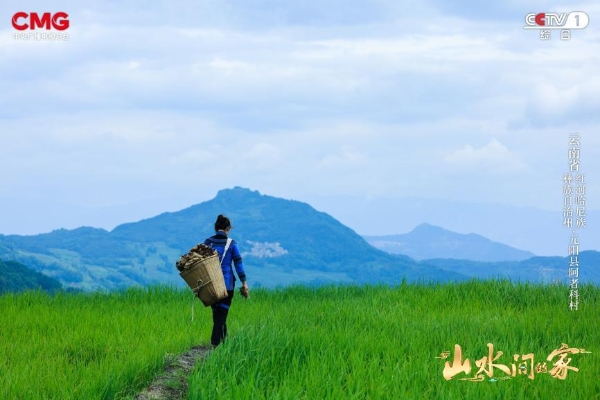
(153, 109)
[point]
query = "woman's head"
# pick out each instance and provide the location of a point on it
(222, 223)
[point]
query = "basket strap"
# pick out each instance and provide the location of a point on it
(225, 250)
(193, 297)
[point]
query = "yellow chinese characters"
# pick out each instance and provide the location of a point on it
(522, 365)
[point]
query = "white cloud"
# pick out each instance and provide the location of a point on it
(262, 156)
(142, 102)
(574, 97)
(493, 157)
(345, 158)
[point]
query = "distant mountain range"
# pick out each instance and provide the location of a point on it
(535, 269)
(427, 241)
(528, 228)
(282, 242)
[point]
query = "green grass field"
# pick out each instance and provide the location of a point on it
(373, 342)
(312, 343)
(91, 346)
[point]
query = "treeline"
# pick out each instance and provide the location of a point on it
(16, 277)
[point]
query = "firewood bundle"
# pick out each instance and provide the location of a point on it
(197, 253)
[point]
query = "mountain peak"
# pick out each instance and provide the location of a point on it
(428, 241)
(427, 228)
(236, 192)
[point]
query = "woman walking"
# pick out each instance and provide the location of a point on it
(229, 254)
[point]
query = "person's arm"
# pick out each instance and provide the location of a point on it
(239, 268)
(238, 263)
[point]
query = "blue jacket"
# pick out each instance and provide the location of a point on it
(218, 242)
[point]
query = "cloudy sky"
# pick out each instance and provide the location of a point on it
(155, 108)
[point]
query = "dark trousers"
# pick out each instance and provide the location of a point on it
(220, 311)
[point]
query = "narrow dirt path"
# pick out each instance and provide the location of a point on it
(172, 383)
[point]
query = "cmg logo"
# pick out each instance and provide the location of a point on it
(22, 20)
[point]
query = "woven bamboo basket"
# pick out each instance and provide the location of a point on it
(205, 278)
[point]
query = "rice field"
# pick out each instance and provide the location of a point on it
(308, 343)
(91, 346)
(379, 343)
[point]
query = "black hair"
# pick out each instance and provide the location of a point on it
(222, 223)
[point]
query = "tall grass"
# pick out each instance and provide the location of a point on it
(299, 342)
(91, 346)
(375, 342)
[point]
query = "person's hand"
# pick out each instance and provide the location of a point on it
(244, 290)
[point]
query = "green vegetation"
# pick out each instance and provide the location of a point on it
(299, 342)
(15, 277)
(371, 342)
(95, 345)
